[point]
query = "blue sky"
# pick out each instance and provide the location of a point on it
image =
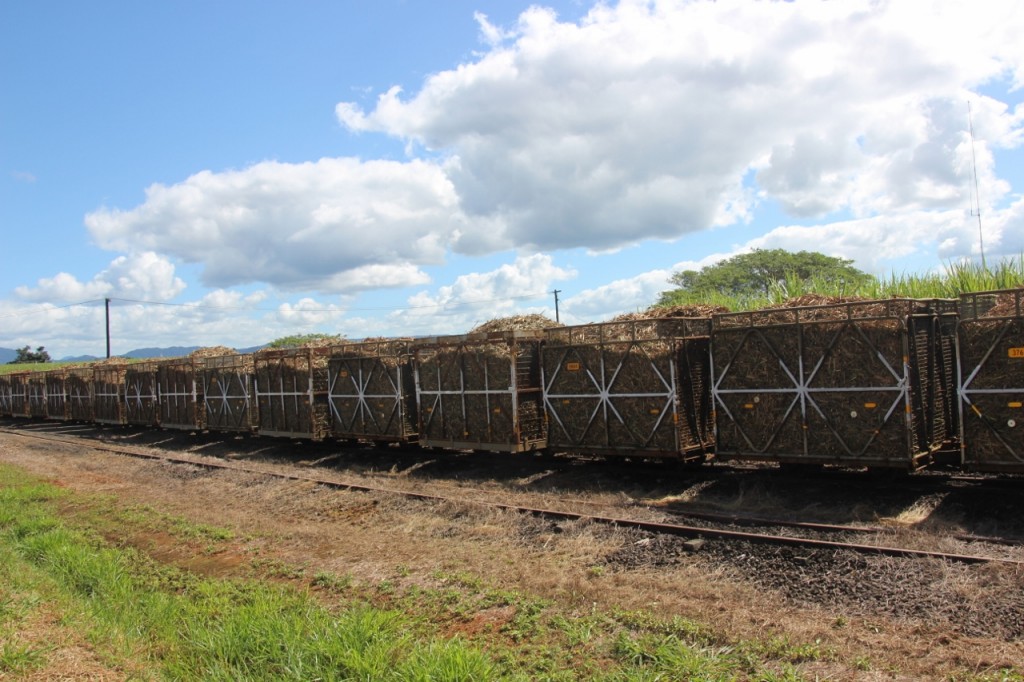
(256, 169)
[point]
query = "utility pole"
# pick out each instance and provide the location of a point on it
(556, 292)
(107, 301)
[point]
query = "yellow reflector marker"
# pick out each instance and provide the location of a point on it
(749, 406)
(1015, 404)
(870, 406)
(655, 411)
(497, 410)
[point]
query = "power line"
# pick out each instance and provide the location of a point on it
(201, 306)
(50, 307)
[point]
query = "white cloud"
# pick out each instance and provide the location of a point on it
(145, 276)
(308, 314)
(642, 120)
(334, 225)
(477, 297)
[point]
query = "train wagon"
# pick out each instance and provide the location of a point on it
(990, 340)
(55, 384)
(79, 386)
(862, 383)
(181, 402)
(481, 391)
(637, 387)
(142, 394)
(36, 383)
(291, 392)
(371, 391)
(6, 396)
(108, 393)
(19, 394)
(229, 393)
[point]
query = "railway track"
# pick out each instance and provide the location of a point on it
(696, 532)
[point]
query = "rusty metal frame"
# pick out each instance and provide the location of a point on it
(19, 394)
(972, 307)
(56, 382)
(604, 387)
(218, 403)
(430, 405)
(805, 394)
(269, 396)
(175, 397)
(6, 397)
(142, 402)
(344, 384)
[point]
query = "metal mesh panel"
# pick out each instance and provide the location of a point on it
(79, 390)
(990, 340)
(228, 393)
(180, 398)
(56, 394)
(142, 394)
(630, 388)
(108, 391)
(291, 392)
(481, 391)
(855, 383)
(371, 391)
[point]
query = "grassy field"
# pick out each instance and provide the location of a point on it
(79, 594)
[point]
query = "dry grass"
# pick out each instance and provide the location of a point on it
(380, 537)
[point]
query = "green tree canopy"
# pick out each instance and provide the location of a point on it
(299, 340)
(754, 274)
(26, 355)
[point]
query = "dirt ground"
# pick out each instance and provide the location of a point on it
(910, 618)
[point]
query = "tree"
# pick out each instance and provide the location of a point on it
(754, 274)
(26, 355)
(300, 340)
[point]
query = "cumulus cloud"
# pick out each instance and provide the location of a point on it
(334, 225)
(480, 296)
(642, 120)
(141, 276)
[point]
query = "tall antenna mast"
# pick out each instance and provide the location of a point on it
(977, 194)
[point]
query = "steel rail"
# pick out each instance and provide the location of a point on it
(694, 532)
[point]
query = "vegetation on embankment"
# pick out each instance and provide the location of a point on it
(739, 284)
(91, 584)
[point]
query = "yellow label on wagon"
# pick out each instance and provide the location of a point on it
(497, 410)
(870, 406)
(655, 411)
(1015, 404)
(342, 374)
(575, 366)
(749, 406)
(1016, 353)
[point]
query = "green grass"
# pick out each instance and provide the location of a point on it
(67, 554)
(143, 615)
(45, 366)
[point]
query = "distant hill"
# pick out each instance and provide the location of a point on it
(7, 354)
(169, 352)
